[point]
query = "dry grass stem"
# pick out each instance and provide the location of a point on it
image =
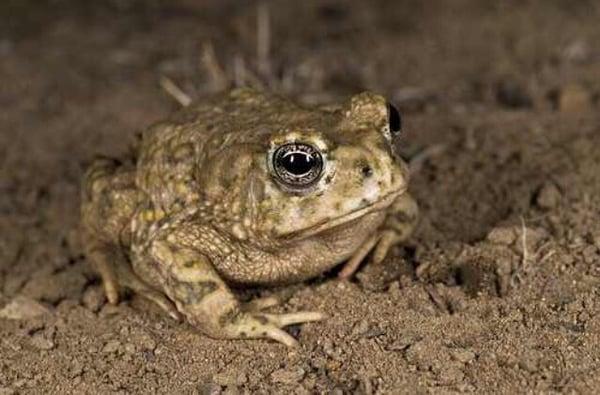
(217, 76)
(263, 39)
(174, 91)
(525, 259)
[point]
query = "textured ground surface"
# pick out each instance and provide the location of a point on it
(497, 291)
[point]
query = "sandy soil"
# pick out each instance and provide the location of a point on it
(498, 291)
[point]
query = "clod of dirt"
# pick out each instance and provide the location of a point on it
(518, 237)
(111, 346)
(463, 356)
(209, 389)
(22, 308)
(447, 299)
(574, 98)
(230, 378)
(548, 196)
(486, 271)
(450, 375)
(512, 94)
(529, 363)
(40, 341)
(53, 288)
(377, 278)
(288, 376)
(487, 267)
(94, 298)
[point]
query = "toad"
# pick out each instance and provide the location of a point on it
(247, 189)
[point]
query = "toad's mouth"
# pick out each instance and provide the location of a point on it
(330, 223)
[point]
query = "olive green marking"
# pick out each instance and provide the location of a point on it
(230, 316)
(193, 293)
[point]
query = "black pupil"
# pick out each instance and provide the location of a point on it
(297, 163)
(395, 120)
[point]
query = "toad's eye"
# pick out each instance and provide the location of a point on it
(297, 165)
(394, 119)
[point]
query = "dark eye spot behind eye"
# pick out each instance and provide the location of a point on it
(394, 119)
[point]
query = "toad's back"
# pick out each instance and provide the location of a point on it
(173, 152)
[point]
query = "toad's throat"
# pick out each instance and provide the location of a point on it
(330, 223)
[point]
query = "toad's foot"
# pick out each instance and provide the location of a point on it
(255, 324)
(269, 326)
(398, 226)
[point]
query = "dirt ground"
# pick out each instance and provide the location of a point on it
(498, 290)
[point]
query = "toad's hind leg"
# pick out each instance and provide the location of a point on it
(191, 281)
(109, 200)
(104, 258)
(117, 274)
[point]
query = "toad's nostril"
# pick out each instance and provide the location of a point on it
(367, 171)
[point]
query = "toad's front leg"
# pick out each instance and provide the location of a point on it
(398, 226)
(198, 292)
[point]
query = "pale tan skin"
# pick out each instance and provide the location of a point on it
(202, 208)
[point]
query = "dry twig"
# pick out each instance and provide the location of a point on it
(263, 39)
(174, 91)
(218, 78)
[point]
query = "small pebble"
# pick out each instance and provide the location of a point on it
(463, 356)
(22, 308)
(286, 376)
(94, 298)
(209, 389)
(146, 342)
(574, 98)
(7, 391)
(529, 364)
(451, 375)
(502, 235)
(76, 370)
(40, 342)
(548, 196)
(111, 346)
(230, 378)
(360, 328)
(590, 254)
(129, 348)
